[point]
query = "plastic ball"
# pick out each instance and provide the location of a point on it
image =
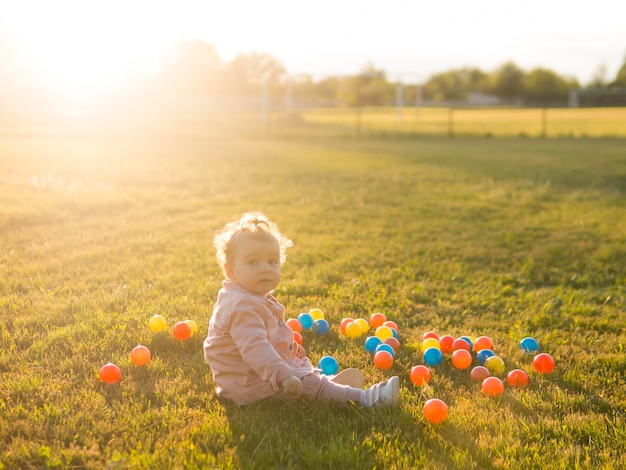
(353, 330)
(529, 344)
(316, 314)
(344, 323)
(435, 410)
(460, 343)
(362, 322)
(181, 331)
(483, 342)
(383, 360)
(377, 319)
(479, 373)
(110, 373)
(461, 358)
(433, 357)
(430, 334)
(492, 387)
(495, 364)
(140, 355)
(321, 326)
(420, 375)
(157, 323)
(392, 325)
(483, 354)
(294, 324)
(371, 343)
(543, 363)
(297, 337)
(393, 342)
(445, 343)
(384, 332)
(430, 343)
(193, 325)
(517, 378)
(469, 341)
(306, 321)
(329, 365)
(385, 347)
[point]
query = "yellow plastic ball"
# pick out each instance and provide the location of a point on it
(353, 330)
(316, 313)
(430, 343)
(364, 324)
(193, 325)
(384, 332)
(157, 323)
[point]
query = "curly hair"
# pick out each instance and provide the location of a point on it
(255, 223)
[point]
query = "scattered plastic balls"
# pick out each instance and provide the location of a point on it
(529, 344)
(461, 358)
(492, 387)
(362, 322)
(430, 334)
(430, 343)
(445, 343)
(297, 337)
(181, 331)
(393, 342)
(482, 355)
(377, 319)
(543, 363)
(193, 325)
(345, 322)
(321, 326)
(110, 373)
(420, 375)
(316, 314)
(385, 347)
(433, 357)
(140, 355)
(353, 330)
(517, 378)
(479, 373)
(371, 343)
(483, 342)
(329, 365)
(435, 410)
(383, 360)
(384, 332)
(157, 323)
(460, 343)
(306, 320)
(495, 364)
(294, 324)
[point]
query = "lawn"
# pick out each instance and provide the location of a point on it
(501, 237)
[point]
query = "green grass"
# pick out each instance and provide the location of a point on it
(501, 237)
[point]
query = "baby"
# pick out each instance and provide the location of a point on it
(249, 348)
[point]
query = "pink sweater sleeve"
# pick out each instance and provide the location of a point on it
(249, 333)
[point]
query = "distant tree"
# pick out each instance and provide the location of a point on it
(599, 78)
(191, 68)
(369, 88)
(620, 78)
(508, 81)
(542, 85)
(456, 84)
(246, 73)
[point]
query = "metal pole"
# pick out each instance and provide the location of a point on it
(399, 100)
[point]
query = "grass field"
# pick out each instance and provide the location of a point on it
(502, 237)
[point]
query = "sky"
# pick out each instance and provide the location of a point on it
(90, 43)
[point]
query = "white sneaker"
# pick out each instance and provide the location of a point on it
(350, 376)
(382, 394)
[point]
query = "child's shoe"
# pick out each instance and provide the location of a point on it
(382, 394)
(351, 377)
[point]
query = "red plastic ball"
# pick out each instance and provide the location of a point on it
(297, 337)
(430, 334)
(393, 342)
(110, 373)
(344, 323)
(435, 410)
(383, 360)
(140, 355)
(492, 387)
(391, 324)
(543, 363)
(460, 344)
(517, 378)
(181, 331)
(445, 343)
(377, 319)
(461, 358)
(420, 375)
(483, 342)
(294, 324)
(479, 373)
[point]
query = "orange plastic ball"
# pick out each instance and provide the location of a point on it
(492, 387)
(479, 373)
(483, 342)
(461, 358)
(297, 337)
(344, 323)
(294, 324)
(140, 355)
(517, 378)
(110, 373)
(393, 342)
(430, 334)
(461, 344)
(383, 360)
(420, 375)
(392, 325)
(435, 410)
(377, 319)
(445, 343)
(181, 331)
(543, 363)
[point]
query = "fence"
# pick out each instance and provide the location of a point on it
(361, 122)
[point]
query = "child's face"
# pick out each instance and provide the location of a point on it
(256, 264)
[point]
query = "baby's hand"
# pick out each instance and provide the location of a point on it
(300, 351)
(292, 386)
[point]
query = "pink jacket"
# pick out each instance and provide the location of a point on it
(249, 347)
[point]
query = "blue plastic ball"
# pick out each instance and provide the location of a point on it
(306, 320)
(529, 344)
(329, 365)
(321, 326)
(433, 357)
(395, 333)
(371, 343)
(385, 347)
(482, 355)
